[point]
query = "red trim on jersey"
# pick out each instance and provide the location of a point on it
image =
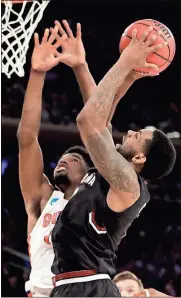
(47, 238)
(72, 274)
(95, 223)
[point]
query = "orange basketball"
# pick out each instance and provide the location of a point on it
(163, 57)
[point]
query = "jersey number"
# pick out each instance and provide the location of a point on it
(47, 239)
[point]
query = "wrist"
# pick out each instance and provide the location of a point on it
(37, 72)
(125, 63)
(128, 60)
(79, 66)
(132, 76)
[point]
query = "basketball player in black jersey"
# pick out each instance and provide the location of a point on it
(111, 195)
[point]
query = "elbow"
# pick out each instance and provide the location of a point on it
(87, 120)
(81, 119)
(19, 133)
(25, 137)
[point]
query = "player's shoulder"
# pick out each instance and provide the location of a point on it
(91, 174)
(56, 197)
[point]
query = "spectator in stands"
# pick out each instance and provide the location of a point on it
(128, 283)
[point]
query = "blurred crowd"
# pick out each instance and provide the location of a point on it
(162, 269)
(56, 107)
(62, 107)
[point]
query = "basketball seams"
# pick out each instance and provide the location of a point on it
(163, 39)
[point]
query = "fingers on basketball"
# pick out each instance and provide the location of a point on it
(158, 47)
(151, 65)
(145, 34)
(134, 35)
(151, 40)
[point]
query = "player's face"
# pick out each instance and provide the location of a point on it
(70, 169)
(134, 143)
(128, 287)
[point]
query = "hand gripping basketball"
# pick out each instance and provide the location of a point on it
(137, 51)
(163, 56)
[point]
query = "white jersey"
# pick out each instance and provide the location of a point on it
(40, 246)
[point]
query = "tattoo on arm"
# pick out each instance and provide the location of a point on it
(111, 164)
(100, 103)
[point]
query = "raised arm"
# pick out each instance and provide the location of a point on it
(74, 56)
(91, 121)
(34, 184)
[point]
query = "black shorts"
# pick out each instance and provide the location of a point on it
(93, 288)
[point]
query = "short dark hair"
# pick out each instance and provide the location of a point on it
(83, 152)
(160, 156)
(127, 275)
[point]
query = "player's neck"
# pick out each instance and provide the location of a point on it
(68, 192)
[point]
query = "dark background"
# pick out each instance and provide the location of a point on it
(152, 247)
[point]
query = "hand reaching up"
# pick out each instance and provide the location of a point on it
(73, 52)
(45, 55)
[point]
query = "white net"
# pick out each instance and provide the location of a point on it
(17, 29)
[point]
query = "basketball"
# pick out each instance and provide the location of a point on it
(164, 56)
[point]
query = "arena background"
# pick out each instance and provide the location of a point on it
(152, 247)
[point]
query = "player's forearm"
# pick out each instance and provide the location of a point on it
(87, 85)
(119, 95)
(85, 80)
(31, 114)
(99, 105)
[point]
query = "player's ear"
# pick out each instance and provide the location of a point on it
(139, 159)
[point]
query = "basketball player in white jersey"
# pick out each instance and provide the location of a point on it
(43, 204)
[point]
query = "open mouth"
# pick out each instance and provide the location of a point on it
(61, 168)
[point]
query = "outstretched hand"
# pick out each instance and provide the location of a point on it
(73, 52)
(45, 55)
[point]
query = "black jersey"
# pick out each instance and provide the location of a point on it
(87, 233)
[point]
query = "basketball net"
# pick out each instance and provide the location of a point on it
(17, 29)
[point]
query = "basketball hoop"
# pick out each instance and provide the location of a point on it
(19, 21)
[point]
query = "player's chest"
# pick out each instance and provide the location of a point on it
(85, 199)
(50, 214)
